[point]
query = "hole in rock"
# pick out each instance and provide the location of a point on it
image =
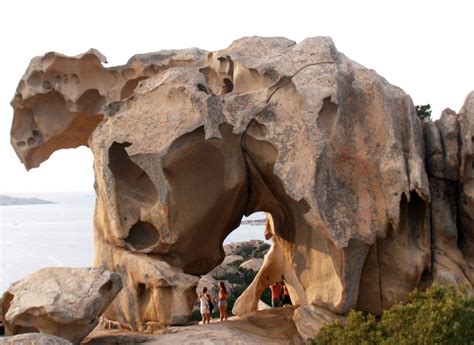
(90, 102)
(130, 86)
(35, 79)
(31, 141)
(327, 115)
(251, 227)
(106, 288)
(202, 88)
(227, 86)
(135, 194)
(142, 235)
(131, 180)
(245, 249)
(213, 184)
(46, 85)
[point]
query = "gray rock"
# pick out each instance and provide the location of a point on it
(65, 302)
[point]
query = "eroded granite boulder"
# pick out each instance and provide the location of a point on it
(64, 302)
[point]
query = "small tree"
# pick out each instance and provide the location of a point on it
(423, 111)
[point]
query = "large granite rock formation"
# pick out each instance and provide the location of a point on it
(64, 302)
(186, 142)
(449, 156)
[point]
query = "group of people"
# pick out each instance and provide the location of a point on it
(207, 303)
(280, 294)
(280, 297)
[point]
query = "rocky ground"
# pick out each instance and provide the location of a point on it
(269, 326)
(273, 326)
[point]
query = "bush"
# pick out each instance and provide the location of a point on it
(423, 111)
(440, 315)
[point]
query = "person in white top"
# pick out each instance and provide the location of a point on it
(204, 299)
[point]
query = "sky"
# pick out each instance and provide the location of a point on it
(424, 47)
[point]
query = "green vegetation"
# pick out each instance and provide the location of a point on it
(261, 251)
(249, 251)
(440, 315)
(423, 111)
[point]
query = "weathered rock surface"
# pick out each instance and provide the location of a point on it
(34, 339)
(310, 319)
(155, 294)
(187, 142)
(252, 264)
(65, 302)
(449, 153)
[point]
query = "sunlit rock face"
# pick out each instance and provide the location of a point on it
(186, 142)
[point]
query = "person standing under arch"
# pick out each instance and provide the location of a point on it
(275, 288)
(204, 299)
(222, 303)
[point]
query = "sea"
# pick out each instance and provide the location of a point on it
(61, 235)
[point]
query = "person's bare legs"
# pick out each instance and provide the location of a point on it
(225, 313)
(221, 313)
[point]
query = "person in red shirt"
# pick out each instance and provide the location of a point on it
(275, 288)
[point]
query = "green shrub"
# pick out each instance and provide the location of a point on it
(423, 111)
(440, 315)
(260, 252)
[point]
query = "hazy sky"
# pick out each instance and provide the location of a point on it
(424, 47)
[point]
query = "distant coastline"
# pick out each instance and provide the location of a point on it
(6, 200)
(255, 222)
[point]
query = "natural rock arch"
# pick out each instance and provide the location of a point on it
(189, 141)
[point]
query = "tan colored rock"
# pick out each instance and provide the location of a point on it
(65, 302)
(34, 339)
(252, 264)
(330, 150)
(154, 294)
(59, 100)
(310, 319)
(209, 282)
(262, 305)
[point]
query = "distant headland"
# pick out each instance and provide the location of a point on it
(6, 200)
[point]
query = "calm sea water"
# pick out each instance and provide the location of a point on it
(36, 236)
